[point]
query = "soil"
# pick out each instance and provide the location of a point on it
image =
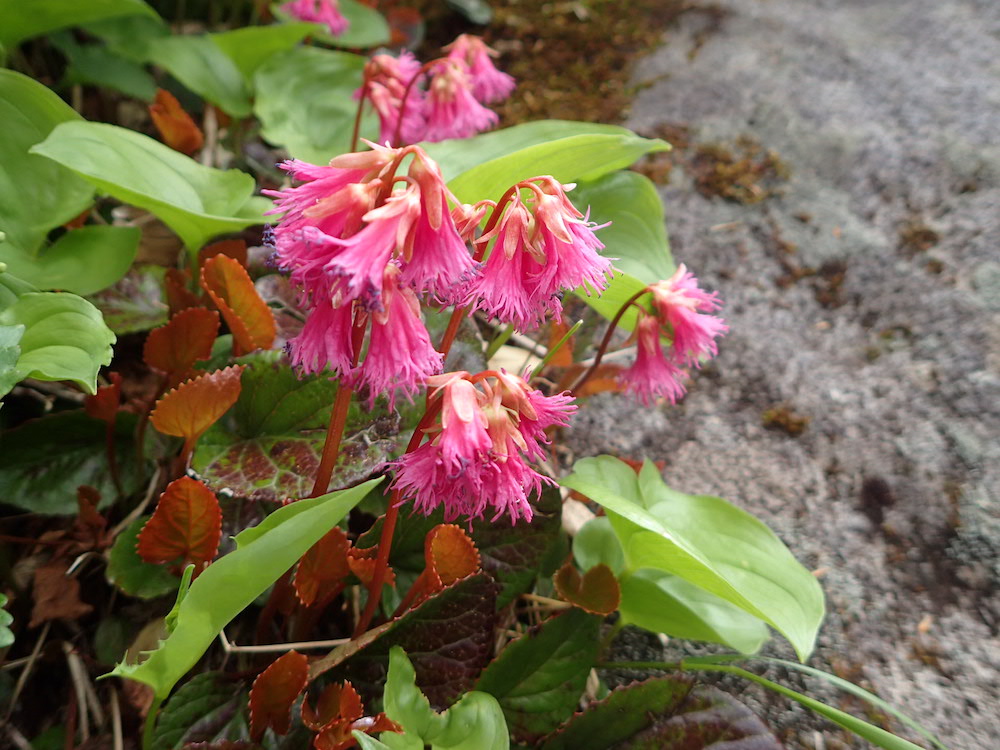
(837, 179)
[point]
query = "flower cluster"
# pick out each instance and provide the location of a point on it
(683, 312)
(443, 99)
(491, 425)
(326, 12)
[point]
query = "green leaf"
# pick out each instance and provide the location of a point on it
(195, 201)
(477, 11)
(202, 66)
(304, 102)
(196, 700)
(82, 261)
(366, 26)
(98, 65)
(637, 237)
(6, 634)
(25, 20)
(863, 729)
(707, 542)
(35, 194)
(667, 712)
(484, 166)
(136, 302)
(129, 37)
(64, 338)
(231, 583)
(131, 573)
(596, 543)
(43, 462)
(268, 446)
(539, 678)
(9, 354)
(252, 46)
(476, 722)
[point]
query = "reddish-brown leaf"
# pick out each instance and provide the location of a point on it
(449, 556)
(362, 564)
(195, 405)
(79, 221)
(335, 702)
(103, 405)
(563, 357)
(337, 736)
(179, 295)
(176, 127)
(597, 591)
(176, 346)
(89, 527)
(273, 693)
(235, 249)
(323, 568)
(248, 316)
(186, 526)
(56, 595)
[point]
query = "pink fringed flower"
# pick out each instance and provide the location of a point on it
(678, 301)
(326, 12)
(324, 341)
(652, 375)
(488, 83)
(450, 108)
(477, 457)
(388, 80)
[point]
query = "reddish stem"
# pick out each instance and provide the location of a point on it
(357, 117)
(605, 342)
(397, 134)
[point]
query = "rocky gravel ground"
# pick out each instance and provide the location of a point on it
(837, 179)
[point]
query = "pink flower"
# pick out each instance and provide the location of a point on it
(318, 11)
(652, 374)
(325, 341)
(678, 301)
(450, 108)
(389, 79)
(400, 353)
(488, 83)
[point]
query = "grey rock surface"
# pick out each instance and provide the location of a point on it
(887, 114)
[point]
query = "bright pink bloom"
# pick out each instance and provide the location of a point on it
(450, 108)
(400, 353)
(389, 79)
(652, 375)
(537, 412)
(326, 12)
(488, 83)
(678, 301)
(325, 341)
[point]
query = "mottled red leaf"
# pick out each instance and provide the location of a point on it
(56, 595)
(186, 526)
(597, 591)
(323, 568)
(235, 249)
(103, 405)
(273, 693)
(195, 405)
(179, 295)
(175, 125)
(186, 339)
(248, 316)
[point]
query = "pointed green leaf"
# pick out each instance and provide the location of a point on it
(201, 65)
(251, 46)
(24, 20)
(98, 65)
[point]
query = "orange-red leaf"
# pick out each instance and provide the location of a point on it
(186, 526)
(362, 564)
(103, 405)
(179, 296)
(335, 702)
(176, 127)
(597, 591)
(322, 569)
(194, 406)
(175, 347)
(449, 555)
(247, 314)
(563, 357)
(235, 249)
(273, 693)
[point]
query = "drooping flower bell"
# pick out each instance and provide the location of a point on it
(491, 425)
(326, 12)
(450, 108)
(390, 80)
(488, 84)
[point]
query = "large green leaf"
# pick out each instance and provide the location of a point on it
(201, 65)
(64, 338)
(98, 65)
(484, 166)
(43, 462)
(195, 201)
(707, 542)
(23, 20)
(35, 194)
(250, 47)
(540, 677)
(268, 446)
(304, 102)
(231, 583)
(9, 353)
(366, 26)
(130, 37)
(82, 261)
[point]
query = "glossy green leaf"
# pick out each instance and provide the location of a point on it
(43, 462)
(231, 583)
(251, 46)
(24, 20)
(196, 700)
(484, 166)
(366, 26)
(476, 722)
(6, 635)
(98, 65)
(195, 201)
(131, 573)
(10, 336)
(596, 543)
(707, 542)
(82, 261)
(305, 102)
(619, 291)
(35, 194)
(64, 338)
(201, 65)
(539, 678)
(871, 733)
(129, 37)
